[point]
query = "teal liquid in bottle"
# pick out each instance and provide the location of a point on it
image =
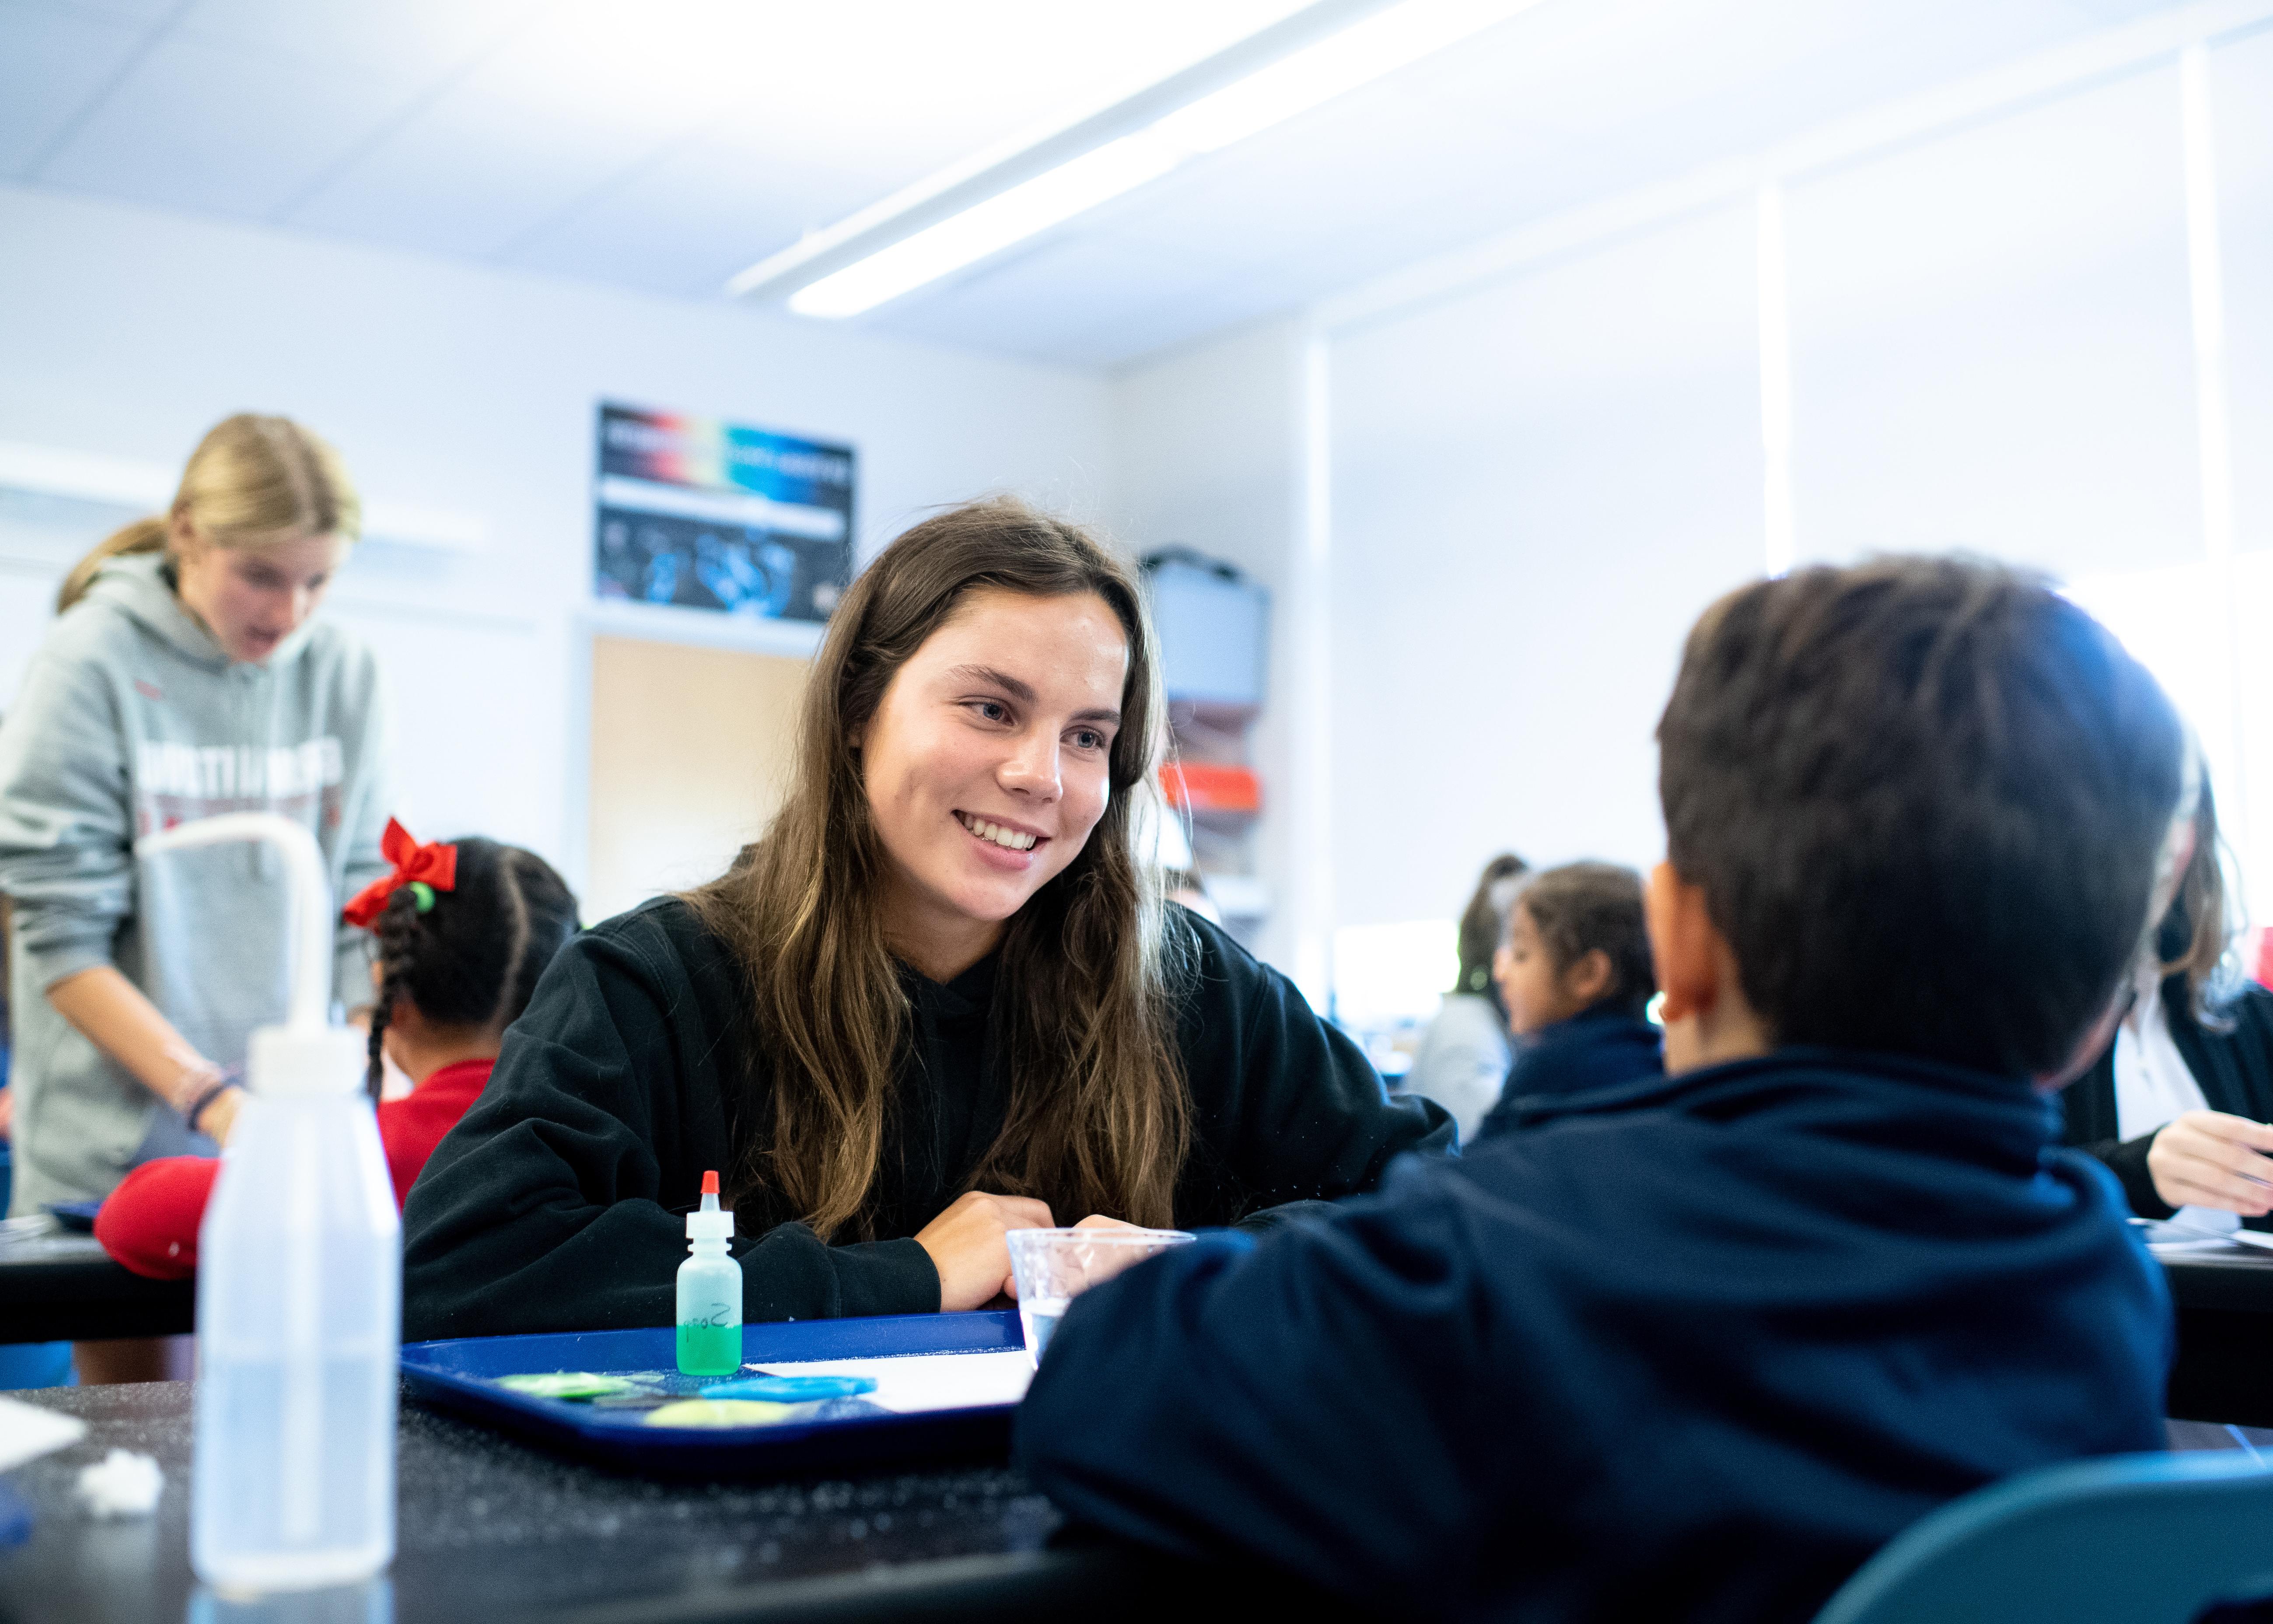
(709, 1292)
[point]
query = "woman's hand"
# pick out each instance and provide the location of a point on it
(1098, 1220)
(2210, 1158)
(966, 1246)
(216, 1121)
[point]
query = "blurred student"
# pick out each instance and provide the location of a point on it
(187, 675)
(2177, 1105)
(942, 999)
(463, 931)
(1576, 979)
(1694, 1347)
(1464, 1055)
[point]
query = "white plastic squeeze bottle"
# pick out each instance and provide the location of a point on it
(299, 1285)
(709, 1292)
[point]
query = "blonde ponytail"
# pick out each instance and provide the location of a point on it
(252, 482)
(142, 535)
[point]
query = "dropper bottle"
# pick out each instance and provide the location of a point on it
(709, 1292)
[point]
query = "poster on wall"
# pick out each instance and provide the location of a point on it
(701, 513)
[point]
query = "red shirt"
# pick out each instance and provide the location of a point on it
(150, 1222)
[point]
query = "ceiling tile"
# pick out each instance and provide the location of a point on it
(141, 13)
(408, 44)
(1043, 300)
(694, 214)
(665, 146)
(561, 115)
(1560, 105)
(1231, 303)
(472, 174)
(205, 127)
(55, 58)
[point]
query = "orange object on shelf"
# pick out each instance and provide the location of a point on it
(1212, 786)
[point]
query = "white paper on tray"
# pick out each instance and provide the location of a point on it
(919, 1381)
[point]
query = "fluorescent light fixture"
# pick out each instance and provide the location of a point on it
(979, 208)
(986, 227)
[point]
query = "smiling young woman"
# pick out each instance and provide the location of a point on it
(941, 999)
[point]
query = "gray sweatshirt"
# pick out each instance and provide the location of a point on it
(132, 720)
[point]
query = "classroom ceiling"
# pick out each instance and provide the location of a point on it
(664, 145)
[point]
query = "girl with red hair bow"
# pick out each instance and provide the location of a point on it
(463, 931)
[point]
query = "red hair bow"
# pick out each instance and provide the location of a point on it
(434, 866)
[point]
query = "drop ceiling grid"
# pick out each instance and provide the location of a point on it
(499, 130)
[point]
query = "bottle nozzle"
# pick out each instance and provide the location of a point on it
(707, 1223)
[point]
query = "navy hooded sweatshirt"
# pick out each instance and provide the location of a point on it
(1589, 1050)
(1687, 1348)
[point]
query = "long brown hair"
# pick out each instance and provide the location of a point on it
(2195, 934)
(1083, 1014)
(252, 480)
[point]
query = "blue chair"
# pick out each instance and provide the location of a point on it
(2129, 1539)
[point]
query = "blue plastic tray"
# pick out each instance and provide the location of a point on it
(460, 1376)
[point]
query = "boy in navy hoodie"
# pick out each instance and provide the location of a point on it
(1692, 1347)
(1574, 973)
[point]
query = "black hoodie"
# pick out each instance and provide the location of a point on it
(2231, 1059)
(556, 1203)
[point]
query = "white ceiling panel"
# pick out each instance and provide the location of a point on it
(1057, 297)
(1309, 186)
(666, 145)
(201, 126)
(902, 87)
(683, 222)
(1733, 73)
(55, 58)
(139, 13)
(1571, 99)
(581, 107)
(519, 137)
(1121, 336)
(405, 45)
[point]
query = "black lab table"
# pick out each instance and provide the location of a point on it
(2225, 1302)
(492, 1529)
(59, 1287)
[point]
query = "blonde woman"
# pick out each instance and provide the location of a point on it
(186, 676)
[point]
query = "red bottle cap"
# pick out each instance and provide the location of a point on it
(711, 1184)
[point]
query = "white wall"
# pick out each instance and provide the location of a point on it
(128, 332)
(1991, 341)
(1207, 455)
(1536, 488)
(2013, 325)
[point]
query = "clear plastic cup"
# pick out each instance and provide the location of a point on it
(1053, 1267)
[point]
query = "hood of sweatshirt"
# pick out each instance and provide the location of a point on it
(140, 586)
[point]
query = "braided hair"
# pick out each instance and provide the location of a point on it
(472, 958)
